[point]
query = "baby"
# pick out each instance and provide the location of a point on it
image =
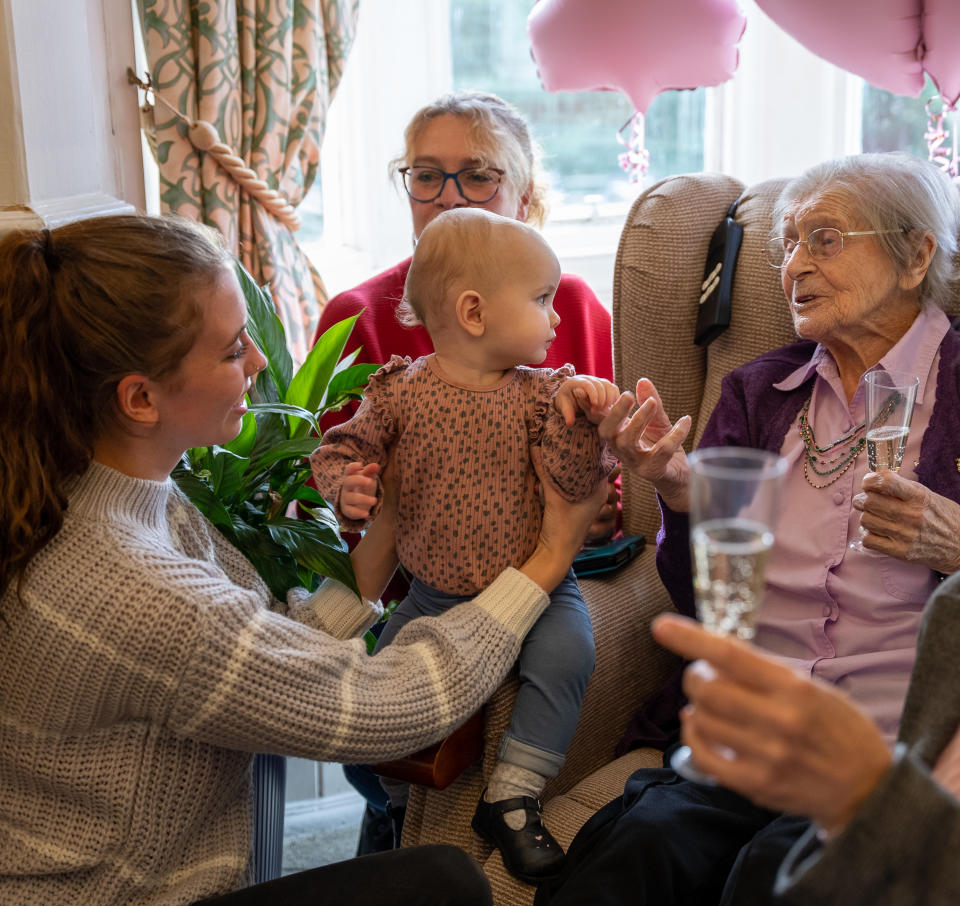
(459, 426)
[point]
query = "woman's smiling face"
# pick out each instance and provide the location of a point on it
(202, 402)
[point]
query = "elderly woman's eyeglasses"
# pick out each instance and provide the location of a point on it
(476, 184)
(822, 244)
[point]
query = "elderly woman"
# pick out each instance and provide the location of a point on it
(866, 247)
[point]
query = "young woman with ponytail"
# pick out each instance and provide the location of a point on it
(142, 660)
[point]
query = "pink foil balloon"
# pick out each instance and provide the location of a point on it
(889, 43)
(639, 48)
(941, 36)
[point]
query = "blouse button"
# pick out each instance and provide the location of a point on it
(838, 497)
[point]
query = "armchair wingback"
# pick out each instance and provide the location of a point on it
(658, 271)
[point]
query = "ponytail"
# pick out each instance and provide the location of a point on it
(81, 307)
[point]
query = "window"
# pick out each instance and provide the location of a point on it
(892, 122)
(480, 44)
(783, 110)
(578, 131)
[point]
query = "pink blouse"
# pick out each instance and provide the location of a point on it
(848, 617)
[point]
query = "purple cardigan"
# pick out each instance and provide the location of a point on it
(751, 412)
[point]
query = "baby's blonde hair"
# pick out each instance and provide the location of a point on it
(457, 251)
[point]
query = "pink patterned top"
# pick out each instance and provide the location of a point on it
(467, 501)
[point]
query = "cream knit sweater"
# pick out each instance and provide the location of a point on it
(143, 666)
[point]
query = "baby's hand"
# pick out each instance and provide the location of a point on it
(592, 395)
(358, 493)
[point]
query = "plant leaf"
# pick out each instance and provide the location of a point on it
(271, 429)
(246, 486)
(265, 330)
(316, 546)
(288, 409)
(202, 496)
(231, 475)
(308, 386)
(243, 443)
(347, 385)
(274, 563)
(296, 448)
(308, 494)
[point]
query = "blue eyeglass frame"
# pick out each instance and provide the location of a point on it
(456, 181)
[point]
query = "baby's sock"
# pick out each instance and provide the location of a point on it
(510, 780)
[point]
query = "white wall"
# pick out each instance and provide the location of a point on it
(784, 110)
(399, 62)
(69, 126)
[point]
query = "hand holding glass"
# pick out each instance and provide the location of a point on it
(734, 496)
(889, 399)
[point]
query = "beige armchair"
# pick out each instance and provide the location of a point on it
(658, 272)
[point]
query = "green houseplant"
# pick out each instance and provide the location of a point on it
(247, 488)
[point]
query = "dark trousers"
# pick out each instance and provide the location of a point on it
(416, 876)
(670, 842)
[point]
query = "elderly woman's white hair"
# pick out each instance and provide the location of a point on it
(895, 194)
(500, 138)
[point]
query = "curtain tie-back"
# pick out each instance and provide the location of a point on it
(204, 137)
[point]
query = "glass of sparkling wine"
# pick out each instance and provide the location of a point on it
(889, 399)
(734, 493)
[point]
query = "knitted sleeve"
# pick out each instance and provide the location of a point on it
(366, 438)
(256, 681)
(574, 458)
(898, 850)
(333, 608)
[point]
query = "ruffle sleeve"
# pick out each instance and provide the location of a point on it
(367, 437)
(378, 394)
(574, 457)
(550, 382)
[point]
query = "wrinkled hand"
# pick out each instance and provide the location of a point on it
(358, 493)
(799, 745)
(906, 520)
(591, 395)
(647, 443)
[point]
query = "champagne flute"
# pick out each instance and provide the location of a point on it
(734, 494)
(888, 405)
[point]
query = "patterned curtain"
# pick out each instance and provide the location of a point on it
(262, 73)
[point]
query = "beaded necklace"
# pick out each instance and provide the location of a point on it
(818, 459)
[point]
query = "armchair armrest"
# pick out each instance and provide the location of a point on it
(437, 766)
